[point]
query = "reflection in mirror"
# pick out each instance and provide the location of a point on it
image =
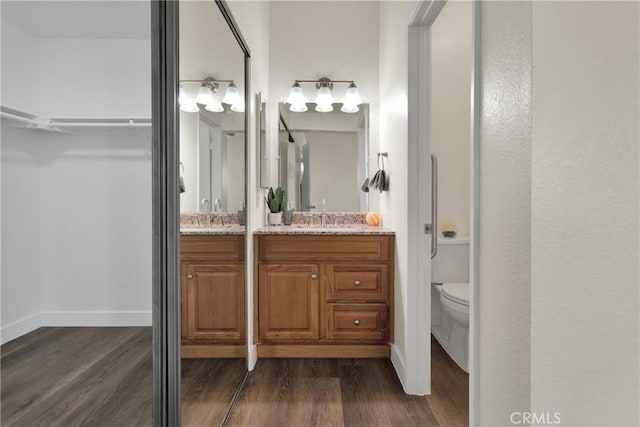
(261, 149)
(212, 200)
(212, 161)
(324, 157)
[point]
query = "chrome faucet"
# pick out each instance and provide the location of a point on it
(324, 213)
(217, 205)
(203, 202)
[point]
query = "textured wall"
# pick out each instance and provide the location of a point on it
(585, 265)
(505, 212)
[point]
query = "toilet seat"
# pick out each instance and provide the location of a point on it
(456, 292)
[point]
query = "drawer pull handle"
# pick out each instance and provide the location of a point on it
(314, 276)
(356, 322)
(357, 283)
(189, 276)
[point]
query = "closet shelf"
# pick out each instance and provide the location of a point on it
(45, 123)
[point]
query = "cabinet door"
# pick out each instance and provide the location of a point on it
(214, 303)
(289, 302)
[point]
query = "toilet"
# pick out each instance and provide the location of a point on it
(450, 299)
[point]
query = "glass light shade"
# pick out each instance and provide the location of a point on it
(182, 96)
(296, 96)
(298, 108)
(352, 97)
(189, 107)
(349, 108)
(214, 106)
(204, 95)
(324, 98)
(238, 107)
(232, 95)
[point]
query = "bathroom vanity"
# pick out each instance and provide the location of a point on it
(212, 292)
(323, 292)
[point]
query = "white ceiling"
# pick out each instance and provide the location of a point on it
(81, 19)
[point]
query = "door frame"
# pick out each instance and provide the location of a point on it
(418, 351)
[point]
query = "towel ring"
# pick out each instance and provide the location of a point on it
(181, 169)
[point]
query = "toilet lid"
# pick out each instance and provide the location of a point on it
(458, 292)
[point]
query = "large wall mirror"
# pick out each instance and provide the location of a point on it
(324, 157)
(212, 205)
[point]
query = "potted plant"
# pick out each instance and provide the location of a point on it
(275, 202)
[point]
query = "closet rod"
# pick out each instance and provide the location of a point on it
(99, 124)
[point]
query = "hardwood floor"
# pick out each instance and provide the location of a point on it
(102, 377)
(77, 376)
(348, 392)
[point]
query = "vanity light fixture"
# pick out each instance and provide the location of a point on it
(324, 98)
(208, 88)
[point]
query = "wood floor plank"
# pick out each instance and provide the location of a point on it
(76, 400)
(449, 399)
(208, 387)
(41, 370)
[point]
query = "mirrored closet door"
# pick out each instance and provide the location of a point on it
(212, 211)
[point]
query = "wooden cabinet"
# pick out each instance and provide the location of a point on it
(290, 297)
(324, 295)
(213, 295)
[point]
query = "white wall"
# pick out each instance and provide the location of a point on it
(505, 212)
(21, 270)
(95, 216)
(95, 78)
(394, 19)
(20, 78)
(585, 258)
(451, 88)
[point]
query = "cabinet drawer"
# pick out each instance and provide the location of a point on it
(285, 248)
(212, 247)
(359, 282)
(357, 322)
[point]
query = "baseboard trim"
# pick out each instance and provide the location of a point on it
(96, 318)
(20, 327)
(398, 364)
(347, 351)
(213, 351)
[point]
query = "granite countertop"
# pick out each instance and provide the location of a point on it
(350, 229)
(226, 229)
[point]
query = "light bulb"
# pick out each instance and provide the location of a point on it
(238, 107)
(296, 97)
(204, 95)
(324, 100)
(214, 106)
(189, 107)
(349, 108)
(182, 96)
(352, 97)
(232, 95)
(298, 108)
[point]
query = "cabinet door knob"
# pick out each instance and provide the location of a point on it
(356, 322)
(189, 276)
(357, 283)
(314, 276)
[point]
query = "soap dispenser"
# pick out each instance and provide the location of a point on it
(242, 213)
(288, 214)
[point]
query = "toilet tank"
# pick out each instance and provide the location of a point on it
(451, 263)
